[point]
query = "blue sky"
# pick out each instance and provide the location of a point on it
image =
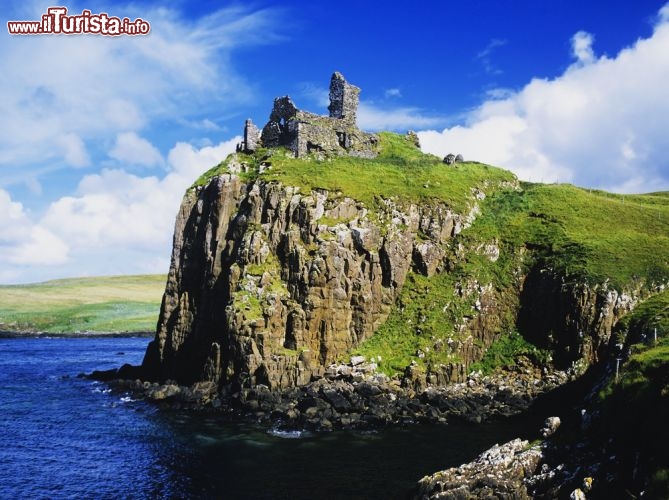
(100, 136)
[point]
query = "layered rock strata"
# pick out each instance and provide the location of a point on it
(269, 286)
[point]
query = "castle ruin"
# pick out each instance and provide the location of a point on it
(306, 133)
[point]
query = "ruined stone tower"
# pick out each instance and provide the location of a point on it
(344, 99)
(306, 133)
(251, 138)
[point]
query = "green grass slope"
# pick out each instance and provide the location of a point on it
(400, 171)
(99, 304)
(584, 234)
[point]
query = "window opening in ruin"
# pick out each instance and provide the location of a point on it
(343, 139)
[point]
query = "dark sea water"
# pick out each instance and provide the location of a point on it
(67, 437)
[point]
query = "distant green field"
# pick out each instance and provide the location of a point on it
(100, 304)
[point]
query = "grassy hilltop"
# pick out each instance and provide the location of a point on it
(585, 236)
(100, 304)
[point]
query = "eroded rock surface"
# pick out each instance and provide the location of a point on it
(270, 286)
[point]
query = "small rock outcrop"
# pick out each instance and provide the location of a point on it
(451, 159)
(497, 473)
(306, 133)
(550, 427)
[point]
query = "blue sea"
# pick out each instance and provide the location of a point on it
(70, 437)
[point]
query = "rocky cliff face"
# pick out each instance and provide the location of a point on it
(574, 320)
(268, 285)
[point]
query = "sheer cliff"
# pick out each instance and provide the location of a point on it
(273, 285)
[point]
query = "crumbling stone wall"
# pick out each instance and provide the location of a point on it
(306, 133)
(344, 99)
(251, 138)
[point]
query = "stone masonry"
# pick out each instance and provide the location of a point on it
(251, 138)
(306, 133)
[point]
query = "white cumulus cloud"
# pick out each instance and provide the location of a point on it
(115, 223)
(601, 124)
(372, 117)
(86, 102)
(24, 243)
(132, 149)
(63, 97)
(74, 150)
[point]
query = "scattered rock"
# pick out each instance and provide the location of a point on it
(577, 494)
(357, 360)
(356, 396)
(451, 159)
(550, 426)
(587, 484)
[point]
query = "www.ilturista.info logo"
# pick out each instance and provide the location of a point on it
(56, 21)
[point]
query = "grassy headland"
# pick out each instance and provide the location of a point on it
(586, 236)
(584, 233)
(109, 304)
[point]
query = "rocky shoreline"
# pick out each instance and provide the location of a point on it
(499, 472)
(356, 396)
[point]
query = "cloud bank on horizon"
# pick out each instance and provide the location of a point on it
(63, 107)
(602, 123)
(92, 170)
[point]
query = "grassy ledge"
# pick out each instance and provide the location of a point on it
(583, 234)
